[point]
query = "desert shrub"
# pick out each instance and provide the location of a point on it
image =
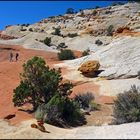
(59, 111)
(138, 74)
(97, 7)
(117, 3)
(23, 24)
(40, 112)
(108, 12)
(94, 12)
(38, 83)
(84, 99)
(94, 106)
(71, 35)
(47, 41)
(51, 17)
(70, 11)
(110, 30)
(86, 52)
(23, 29)
(41, 30)
(98, 42)
(127, 106)
(30, 29)
(82, 13)
(56, 31)
(66, 55)
(61, 46)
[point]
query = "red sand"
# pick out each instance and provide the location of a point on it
(9, 79)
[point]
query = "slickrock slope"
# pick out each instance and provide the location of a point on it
(88, 26)
(124, 131)
(119, 59)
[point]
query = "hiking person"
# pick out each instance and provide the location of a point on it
(11, 57)
(17, 57)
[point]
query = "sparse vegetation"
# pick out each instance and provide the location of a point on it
(30, 29)
(98, 42)
(71, 35)
(84, 99)
(25, 24)
(62, 46)
(94, 106)
(23, 29)
(86, 52)
(117, 3)
(94, 12)
(47, 41)
(110, 30)
(70, 11)
(66, 54)
(81, 12)
(127, 106)
(60, 111)
(56, 31)
(97, 7)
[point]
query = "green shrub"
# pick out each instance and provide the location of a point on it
(23, 29)
(127, 106)
(86, 52)
(94, 106)
(94, 12)
(98, 42)
(30, 29)
(47, 41)
(117, 3)
(97, 7)
(82, 13)
(60, 111)
(110, 30)
(84, 99)
(66, 55)
(71, 35)
(56, 31)
(70, 11)
(62, 46)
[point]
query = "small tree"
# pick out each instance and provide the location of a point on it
(66, 55)
(38, 83)
(70, 11)
(98, 42)
(61, 46)
(47, 41)
(110, 30)
(56, 31)
(97, 7)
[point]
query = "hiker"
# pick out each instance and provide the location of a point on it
(17, 57)
(11, 57)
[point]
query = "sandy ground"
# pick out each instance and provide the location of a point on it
(9, 79)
